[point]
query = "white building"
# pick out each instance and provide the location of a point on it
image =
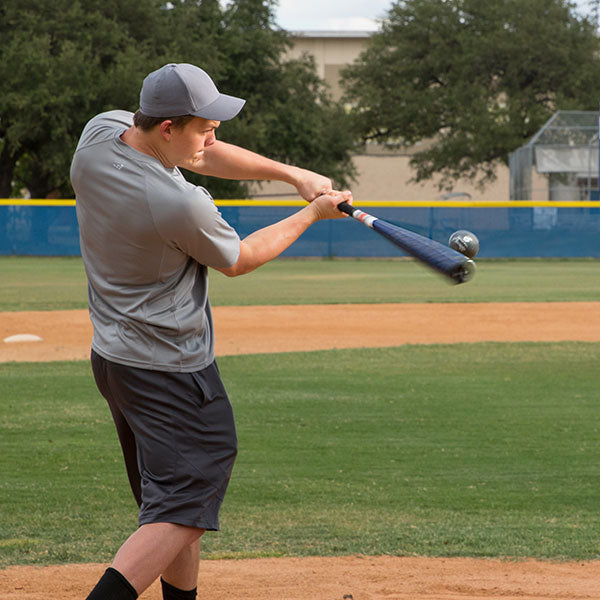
(381, 174)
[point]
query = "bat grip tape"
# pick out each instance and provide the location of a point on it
(346, 208)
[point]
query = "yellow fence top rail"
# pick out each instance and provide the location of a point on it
(41, 202)
(359, 203)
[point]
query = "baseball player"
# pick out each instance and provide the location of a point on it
(147, 238)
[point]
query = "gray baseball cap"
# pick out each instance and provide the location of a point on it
(183, 89)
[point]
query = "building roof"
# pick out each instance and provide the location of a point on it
(331, 34)
(568, 128)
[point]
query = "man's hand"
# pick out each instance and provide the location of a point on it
(311, 185)
(265, 244)
(326, 204)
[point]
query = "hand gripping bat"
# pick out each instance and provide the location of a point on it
(450, 263)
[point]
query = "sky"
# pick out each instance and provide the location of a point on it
(339, 15)
(328, 15)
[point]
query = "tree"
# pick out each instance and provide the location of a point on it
(289, 115)
(64, 61)
(478, 79)
(60, 63)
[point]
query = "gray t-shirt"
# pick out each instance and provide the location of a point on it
(147, 236)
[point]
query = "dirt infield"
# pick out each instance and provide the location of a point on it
(66, 336)
(351, 577)
(249, 329)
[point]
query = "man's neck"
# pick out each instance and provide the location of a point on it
(142, 142)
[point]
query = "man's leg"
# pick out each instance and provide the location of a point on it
(182, 573)
(151, 550)
(194, 400)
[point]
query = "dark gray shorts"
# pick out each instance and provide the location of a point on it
(178, 438)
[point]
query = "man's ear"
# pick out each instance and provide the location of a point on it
(166, 129)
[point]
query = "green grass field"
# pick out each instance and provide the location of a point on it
(442, 450)
(59, 283)
(448, 450)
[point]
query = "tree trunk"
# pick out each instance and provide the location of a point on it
(38, 182)
(8, 161)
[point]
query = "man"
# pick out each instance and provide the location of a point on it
(147, 238)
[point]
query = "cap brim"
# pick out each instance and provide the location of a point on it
(222, 109)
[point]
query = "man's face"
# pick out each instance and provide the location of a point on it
(187, 144)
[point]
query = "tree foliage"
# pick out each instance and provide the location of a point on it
(60, 63)
(289, 115)
(478, 79)
(64, 61)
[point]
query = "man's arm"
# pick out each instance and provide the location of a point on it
(228, 161)
(266, 244)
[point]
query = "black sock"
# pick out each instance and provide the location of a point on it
(113, 586)
(172, 593)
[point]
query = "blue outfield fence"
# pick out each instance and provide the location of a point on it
(505, 229)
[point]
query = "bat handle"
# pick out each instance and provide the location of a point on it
(346, 208)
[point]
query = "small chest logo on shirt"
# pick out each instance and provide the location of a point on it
(118, 166)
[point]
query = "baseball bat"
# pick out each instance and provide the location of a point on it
(443, 259)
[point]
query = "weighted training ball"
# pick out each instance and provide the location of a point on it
(464, 242)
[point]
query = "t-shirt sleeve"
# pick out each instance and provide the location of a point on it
(195, 226)
(103, 126)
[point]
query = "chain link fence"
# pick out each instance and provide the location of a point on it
(560, 162)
